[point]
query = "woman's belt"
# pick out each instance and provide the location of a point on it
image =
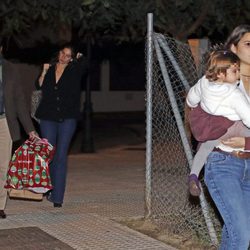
(238, 154)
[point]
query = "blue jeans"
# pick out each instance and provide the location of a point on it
(59, 134)
(228, 182)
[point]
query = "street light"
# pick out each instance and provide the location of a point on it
(87, 140)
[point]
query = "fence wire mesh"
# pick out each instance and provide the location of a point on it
(171, 206)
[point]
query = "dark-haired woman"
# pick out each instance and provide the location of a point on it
(59, 110)
(227, 174)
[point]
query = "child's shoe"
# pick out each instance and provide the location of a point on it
(194, 185)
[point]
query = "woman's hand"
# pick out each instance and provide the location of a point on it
(235, 142)
(78, 55)
(46, 67)
(33, 135)
(44, 72)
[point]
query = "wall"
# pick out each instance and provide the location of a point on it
(106, 100)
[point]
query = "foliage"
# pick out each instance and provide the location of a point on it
(119, 21)
(19, 16)
(182, 18)
(39, 19)
(100, 19)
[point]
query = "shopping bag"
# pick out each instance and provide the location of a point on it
(24, 194)
(29, 168)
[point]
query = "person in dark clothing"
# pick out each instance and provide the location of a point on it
(13, 113)
(59, 110)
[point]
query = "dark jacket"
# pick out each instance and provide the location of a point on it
(62, 100)
(16, 108)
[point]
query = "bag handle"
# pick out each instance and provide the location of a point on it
(37, 139)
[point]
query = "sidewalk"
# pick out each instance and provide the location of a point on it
(102, 188)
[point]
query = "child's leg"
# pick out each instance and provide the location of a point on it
(200, 157)
(198, 162)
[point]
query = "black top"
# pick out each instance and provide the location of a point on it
(61, 100)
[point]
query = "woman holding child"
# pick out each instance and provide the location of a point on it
(227, 173)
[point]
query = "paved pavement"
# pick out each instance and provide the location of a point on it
(102, 188)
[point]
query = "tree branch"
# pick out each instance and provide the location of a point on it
(198, 22)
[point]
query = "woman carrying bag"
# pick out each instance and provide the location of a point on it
(59, 111)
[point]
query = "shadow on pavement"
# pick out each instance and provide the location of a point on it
(111, 130)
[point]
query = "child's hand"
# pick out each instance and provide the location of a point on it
(235, 142)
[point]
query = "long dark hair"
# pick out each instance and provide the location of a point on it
(54, 59)
(236, 35)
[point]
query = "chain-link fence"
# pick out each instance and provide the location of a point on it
(171, 70)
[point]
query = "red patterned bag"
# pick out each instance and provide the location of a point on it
(29, 167)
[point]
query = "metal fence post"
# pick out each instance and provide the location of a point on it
(149, 113)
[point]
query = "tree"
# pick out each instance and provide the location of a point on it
(183, 18)
(104, 20)
(32, 21)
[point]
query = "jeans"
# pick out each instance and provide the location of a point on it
(59, 134)
(228, 181)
